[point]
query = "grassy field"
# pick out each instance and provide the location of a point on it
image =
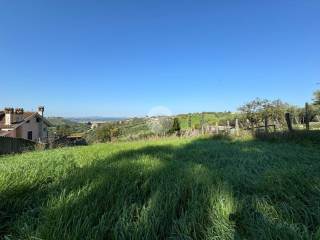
(170, 189)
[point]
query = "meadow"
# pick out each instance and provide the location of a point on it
(199, 188)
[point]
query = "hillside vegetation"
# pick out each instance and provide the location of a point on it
(255, 115)
(199, 188)
(139, 128)
(56, 121)
(207, 117)
(63, 127)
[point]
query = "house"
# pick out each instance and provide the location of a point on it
(17, 123)
(96, 124)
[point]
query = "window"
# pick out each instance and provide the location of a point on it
(30, 135)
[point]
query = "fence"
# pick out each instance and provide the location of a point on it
(15, 145)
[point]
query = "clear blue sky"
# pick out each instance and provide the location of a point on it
(121, 58)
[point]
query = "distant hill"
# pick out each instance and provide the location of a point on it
(74, 120)
(57, 121)
(62, 126)
(135, 128)
(95, 119)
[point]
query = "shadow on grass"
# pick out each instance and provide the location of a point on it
(297, 136)
(207, 189)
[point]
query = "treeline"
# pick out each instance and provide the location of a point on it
(257, 111)
(254, 114)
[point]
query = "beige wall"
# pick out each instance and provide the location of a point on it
(34, 126)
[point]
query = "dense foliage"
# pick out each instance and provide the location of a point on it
(107, 132)
(176, 128)
(256, 111)
(316, 99)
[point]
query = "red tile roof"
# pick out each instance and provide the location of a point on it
(16, 124)
(3, 133)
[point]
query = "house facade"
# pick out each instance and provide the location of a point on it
(17, 123)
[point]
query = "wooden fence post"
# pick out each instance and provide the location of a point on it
(189, 122)
(228, 126)
(266, 124)
(289, 123)
(237, 127)
(202, 123)
(307, 118)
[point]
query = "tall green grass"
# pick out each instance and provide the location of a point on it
(170, 189)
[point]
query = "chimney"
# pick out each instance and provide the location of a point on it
(41, 110)
(8, 116)
(19, 114)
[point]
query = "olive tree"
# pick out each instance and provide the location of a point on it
(316, 99)
(259, 110)
(160, 125)
(253, 111)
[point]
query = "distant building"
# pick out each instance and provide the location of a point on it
(17, 123)
(96, 124)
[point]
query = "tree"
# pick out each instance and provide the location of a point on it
(316, 99)
(297, 113)
(253, 110)
(160, 125)
(176, 128)
(275, 110)
(107, 132)
(166, 125)
(103, 133)
(258, 111)
(63, 130)
(313, 111)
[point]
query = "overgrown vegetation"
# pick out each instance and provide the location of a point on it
(316, 99)
(179, 189)
(64, 127)
(251, 115)
(194, 120)
(256, 111)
